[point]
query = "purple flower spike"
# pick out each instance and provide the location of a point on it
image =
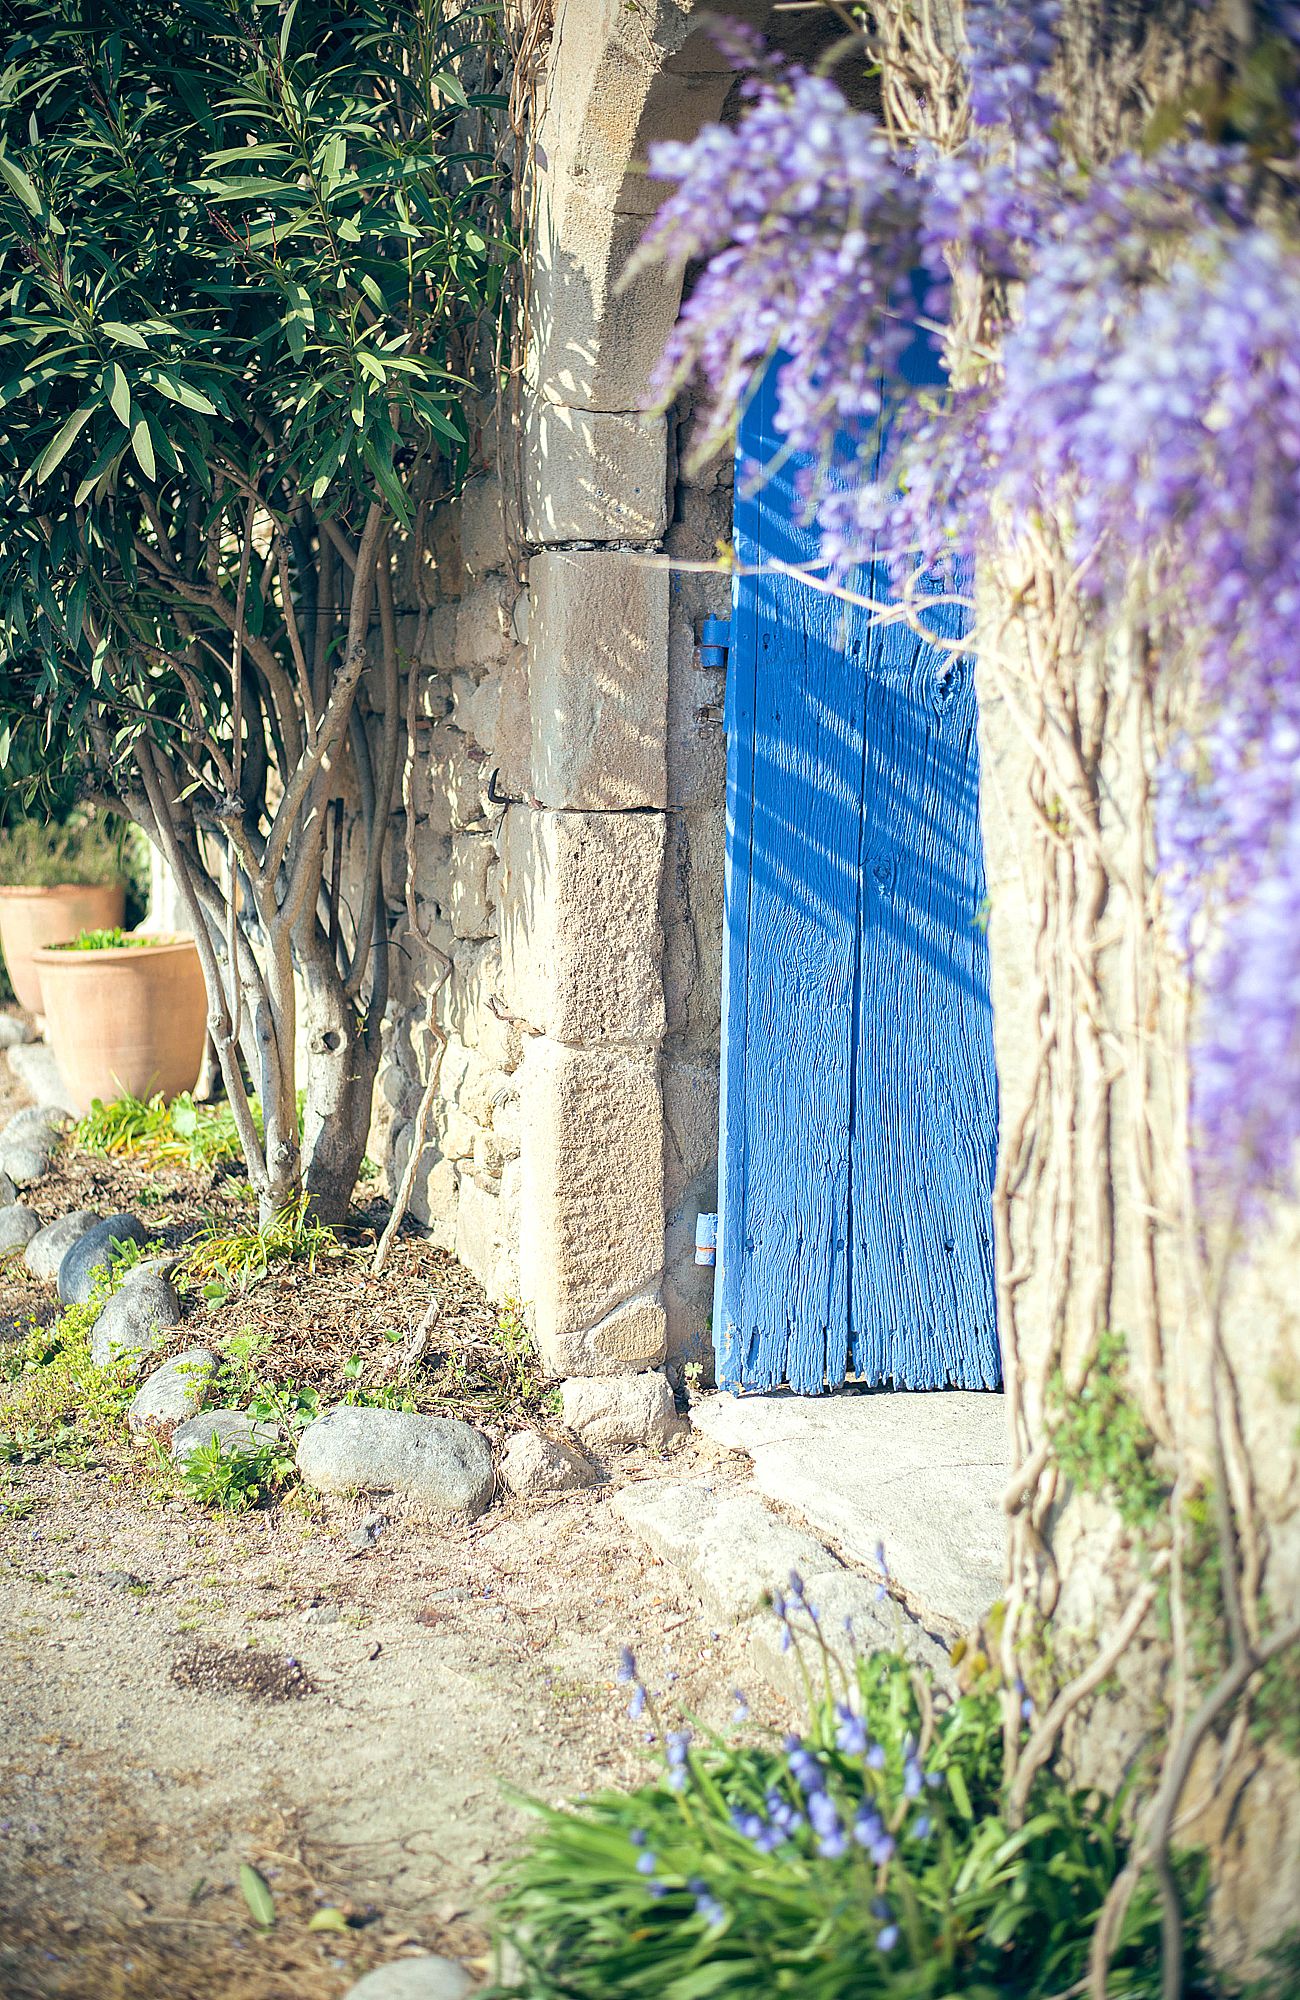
(627, 1670)
(851, 1733)
(647, 1863)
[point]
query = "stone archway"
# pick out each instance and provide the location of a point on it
(583, 939)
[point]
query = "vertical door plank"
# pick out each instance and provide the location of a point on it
(925, 1110)
(795, 747)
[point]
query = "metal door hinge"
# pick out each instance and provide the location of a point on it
(715, 639)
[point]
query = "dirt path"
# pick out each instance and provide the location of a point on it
(447, 1663)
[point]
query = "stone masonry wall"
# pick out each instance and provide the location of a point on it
(568, 791)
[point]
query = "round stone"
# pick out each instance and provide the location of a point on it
(91, 1254)
(234, 1430)
(137, 1318)
(174, 1392)
(413, 1979)
(17, 1227)
(440, 1464)
(48, 1248)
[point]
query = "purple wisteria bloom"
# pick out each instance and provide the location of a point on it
(1145, 402)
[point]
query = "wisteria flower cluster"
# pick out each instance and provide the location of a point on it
(1138, 392)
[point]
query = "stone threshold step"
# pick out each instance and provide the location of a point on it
(733, 1550)
(920, 1476)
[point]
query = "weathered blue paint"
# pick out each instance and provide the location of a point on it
(859, 1110)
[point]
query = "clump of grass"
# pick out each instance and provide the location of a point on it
(221, 1260)
(158, 1134)
(868, 1858)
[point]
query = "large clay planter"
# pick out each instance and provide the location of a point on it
(30, 918)
(132, 1019)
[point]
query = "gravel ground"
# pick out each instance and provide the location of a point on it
(181, 1693)
(142, 1760)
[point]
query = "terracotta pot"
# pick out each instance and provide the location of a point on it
(30, 918)
(131, 1019)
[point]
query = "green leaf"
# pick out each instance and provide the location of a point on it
(125, 336)
(142, 446)
(22, 185)
(182, 393)
(328, 1920)
(119, 395)
(59, 447)
(257, 1894)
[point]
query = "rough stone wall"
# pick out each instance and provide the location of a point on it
(467, 646)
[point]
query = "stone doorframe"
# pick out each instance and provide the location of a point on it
(582, 941)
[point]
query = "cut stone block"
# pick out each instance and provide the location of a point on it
(632, 1337)
(473, 856)
(620, 1411)
(581, 942)
(921, 1475)
(592, 1220)
(593, 476)
(478, 1232)
(595, 346)
(736, 1552)
(598, 679)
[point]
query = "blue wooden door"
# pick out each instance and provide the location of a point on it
(859, 1100)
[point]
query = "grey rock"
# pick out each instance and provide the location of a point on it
(442, 1465)
(34, 1118)
(26, 1158)
(414, 1979)
(137, 1317)
(50, 1245)
(532, 1464)
(8, 1192)
(35, 1065)
(91, 1252)
(27, 1143)
(17, 1227)
(234, 1431)
(13, 1032)
(608, 1412)
(174, 1392)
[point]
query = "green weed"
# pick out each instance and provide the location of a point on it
(238, 1478)
(55, 1401)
